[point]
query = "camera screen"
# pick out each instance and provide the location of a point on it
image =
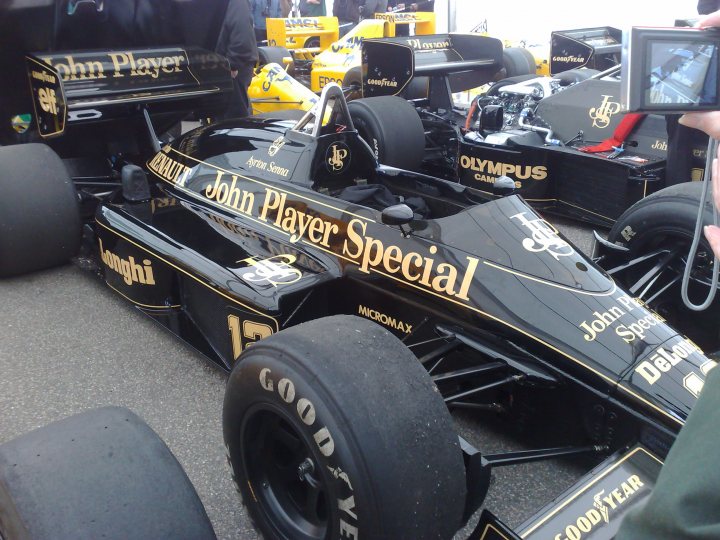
(681, 73)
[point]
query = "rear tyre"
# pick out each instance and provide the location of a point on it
(99, 474)
(40, 223)
(665, 222)
(352, 84)
(272, 55)
(334, 430)
(518, 61)
(392, 128)
(312, 42)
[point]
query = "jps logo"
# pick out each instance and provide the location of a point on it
(544, 237)
(277, 270)
(601, 115)
(276, 145)
(337, 157)
(48, 100)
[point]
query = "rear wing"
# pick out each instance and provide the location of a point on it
(597, 48)
(424, 21)
(297, 33)
(82, 86)
(463, 60)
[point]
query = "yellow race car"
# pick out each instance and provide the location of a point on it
(315, 55)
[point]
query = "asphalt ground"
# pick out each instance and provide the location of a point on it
(68, 343)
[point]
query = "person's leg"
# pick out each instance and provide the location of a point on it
(260, 34)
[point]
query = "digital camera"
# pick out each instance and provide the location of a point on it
(670, 70)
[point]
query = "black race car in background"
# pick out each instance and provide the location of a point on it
(354, 303)
(534, 131)
(530, 129)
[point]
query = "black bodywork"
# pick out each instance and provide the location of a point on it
(531, 131)
(250, 230)
(255, 225)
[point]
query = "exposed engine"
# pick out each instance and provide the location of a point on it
(507, 110)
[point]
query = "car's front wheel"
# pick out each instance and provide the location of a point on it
(658, 231)
(334, 430)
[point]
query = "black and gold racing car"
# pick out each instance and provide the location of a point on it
(354, 304)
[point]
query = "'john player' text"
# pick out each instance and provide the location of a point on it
(352, 241)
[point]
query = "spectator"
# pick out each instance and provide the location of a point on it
(347, 11)
(371, 7)
(685, 502)
(236, 43)
(312, 8)
(286, 8)
(400, 5)
(706, 7)
(261, 10)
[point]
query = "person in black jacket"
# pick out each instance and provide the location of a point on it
(706, 7)
(237, 43)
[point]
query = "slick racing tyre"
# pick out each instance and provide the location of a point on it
(40, 223)
(392, 128)
(662, 224)
(518, 61)
(352, 84)
(334, 430)
(99, 474)
(272, 55)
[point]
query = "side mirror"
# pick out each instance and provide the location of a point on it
(398, 214)
(503, 186)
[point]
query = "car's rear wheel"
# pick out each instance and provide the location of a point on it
(40, 223)
(352, 84)
(334, 430)
(518, 61)
(660, 227)
(392, 128)
(272, 55)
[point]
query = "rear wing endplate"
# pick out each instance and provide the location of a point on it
(460, 61)
(597, 48)
(78, 86)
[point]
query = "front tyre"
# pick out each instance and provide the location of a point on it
(661, 226)
(334, 430)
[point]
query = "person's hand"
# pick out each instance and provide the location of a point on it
(233, 73)
(713, 19)
(712, 233)
(709, 122)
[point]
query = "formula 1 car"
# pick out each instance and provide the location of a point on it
(534, 130)
(323, 59)
(287, 255)
(353, 303)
